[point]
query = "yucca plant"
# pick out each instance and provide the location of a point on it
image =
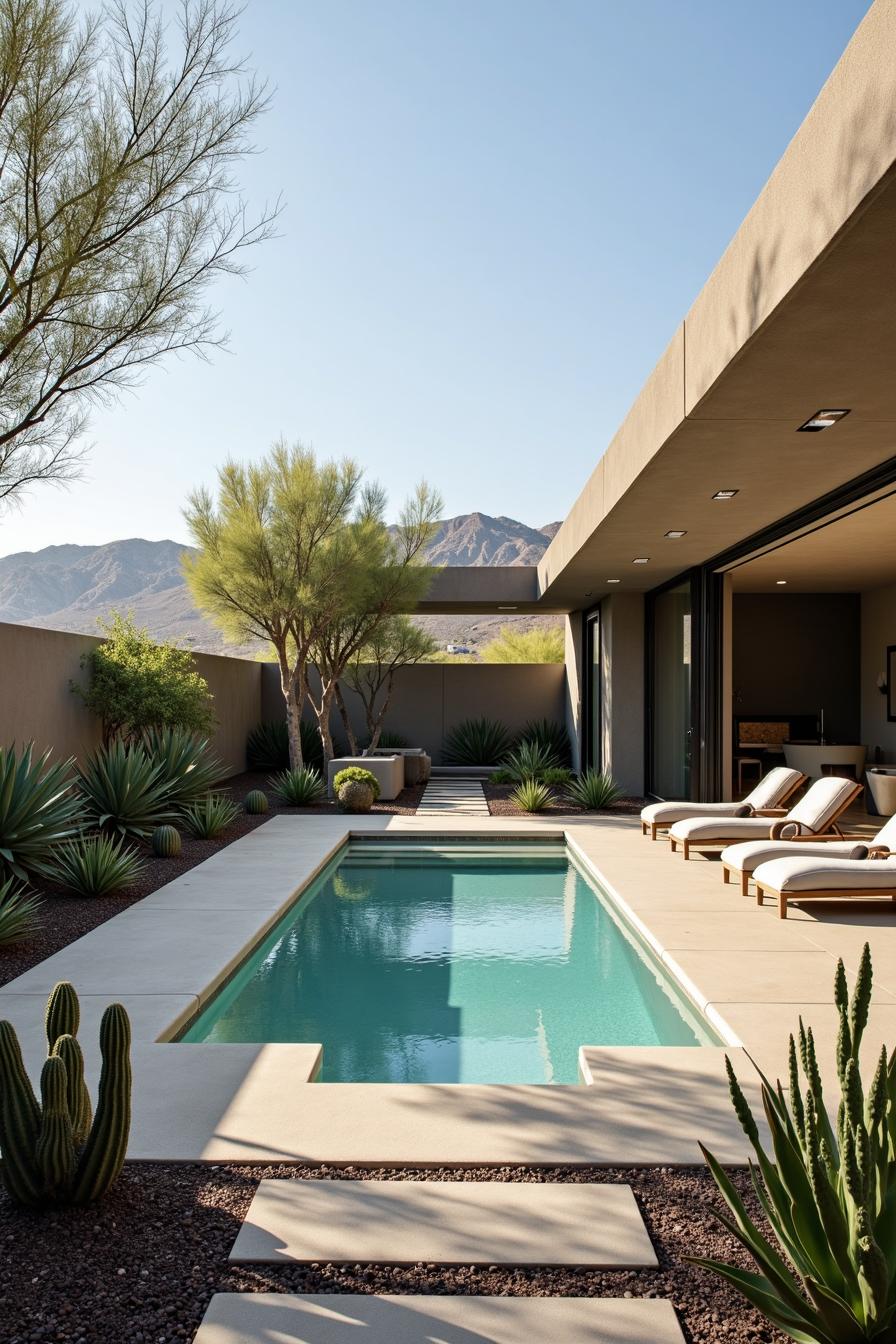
(593, 790)
(476, 742)
(39, 807)
(532, 796)
(267, 746)
(96, 865)
(529, 760)
(828, 1190)
(123, 791)
(550, 734)
(187, 767)
(297, 788)
(210, 816)
(19, 912)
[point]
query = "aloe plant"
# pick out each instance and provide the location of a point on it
(97, 865)
(550, 734)
(532, 796)
(124, 791)
(297, 788)
(187, 768)
(39, 807)
(593, 790)
(827, 1189)
(19, 912)
(529, 760)
(476, 742)
(210, 816)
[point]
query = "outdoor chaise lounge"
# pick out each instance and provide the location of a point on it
(815, 814)
(802, 879)
(743, 859)
(769, 795)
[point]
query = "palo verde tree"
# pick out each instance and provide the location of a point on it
(119, 207)
(370, 673)
(272, 557)
(384, 574)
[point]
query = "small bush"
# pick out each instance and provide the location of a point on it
(393, 740)
(355, 795)
(187, 768)
(97, 865)
(255, 803)
(501, 776)
(532, 796)
(123, 791)
(551, 735)
(593, 791)
(356, 774)
(38, 808)
(19, 912)
(556, 776)
(208, 818)
(476, 742)
(298, 788)
(529, 760)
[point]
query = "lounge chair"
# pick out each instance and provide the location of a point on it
(743, 859)
(802, 879)
(766, 799)
(815, 814)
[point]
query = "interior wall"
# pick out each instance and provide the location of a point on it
(878, 631)
(798, 653)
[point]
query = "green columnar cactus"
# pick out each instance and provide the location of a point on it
(166, 842)
(52, 1153)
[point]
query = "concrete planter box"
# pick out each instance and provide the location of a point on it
(881, 785)
(417, 765)
(389, 771)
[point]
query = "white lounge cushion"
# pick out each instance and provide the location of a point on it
(812, 813)
(774, 786)
(822, 802)
(718, 829)
(748, 854)
(803, 875)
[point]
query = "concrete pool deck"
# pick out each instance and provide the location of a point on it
(751, 973)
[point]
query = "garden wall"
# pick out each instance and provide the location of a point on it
(36, 667)
(432, 698)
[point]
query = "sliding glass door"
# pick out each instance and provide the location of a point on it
(670, 691)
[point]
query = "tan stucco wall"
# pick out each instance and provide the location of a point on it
(432, 698)
(878, 631)
(36, 703)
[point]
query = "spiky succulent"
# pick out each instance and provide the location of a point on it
(532, 796)
(19, 912)
(593, 790)
(39, 808)
(211, 816)
(187, 768)
(298, 788)
(530, 760)
(97, 865)
(124, 791)
(476, 742)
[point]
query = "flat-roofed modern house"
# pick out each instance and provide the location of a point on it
(728, 572)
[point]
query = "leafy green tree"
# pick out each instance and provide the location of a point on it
(135, 684)
(371, 670)
(272, 559)
(538, 645)
(118, 207)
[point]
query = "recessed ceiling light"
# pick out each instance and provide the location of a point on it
(507, 608)
(821, 420)
(676, 535)
(724, 494)
(640, 559)
(780, 582)
(614, 580)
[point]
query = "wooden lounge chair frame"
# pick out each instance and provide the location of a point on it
(832, 894)
(654, 826)
(831, 831)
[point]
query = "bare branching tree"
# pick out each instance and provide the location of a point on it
(117, 208)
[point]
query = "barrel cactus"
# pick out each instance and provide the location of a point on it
(256, 803)
(166, 842)
(54, 1151)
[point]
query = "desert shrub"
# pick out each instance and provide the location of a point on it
(538, 645)
(135, 684)
(500, 776)
(267, 746)
(187, 768)
(96, 865)
(556, 776)
(551, 735)
(529, 761)
(532, 796)
(19, 912)
(356, 794)
(476, 742)
(208, 818)
(298, 788)
(393, 740)
(593, 790)
(39, 808)
(358, 775)
(123, 790)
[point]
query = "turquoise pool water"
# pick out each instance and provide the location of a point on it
(451, 964)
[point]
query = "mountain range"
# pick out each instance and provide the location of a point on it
(70, 587)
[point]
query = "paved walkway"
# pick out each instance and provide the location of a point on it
(454, 797)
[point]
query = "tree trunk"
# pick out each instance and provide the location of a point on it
(323, 722)
(375, 721)
(290, 683)
(346, 721)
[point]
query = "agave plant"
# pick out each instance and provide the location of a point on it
(529, 760)
(187, 767)
(550, 734)
(97, 865)
(39, 807)
(593, 790)
(297, 788)
(19, 912)
(267, 746)
(532, 796)
(210, 816)
(476, 742)
(123, 791)
(828, 1191)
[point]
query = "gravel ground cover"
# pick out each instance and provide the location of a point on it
(499, 805)
(65, 918)
(143, 1265)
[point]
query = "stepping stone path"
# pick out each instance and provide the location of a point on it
(445, 1223)
(453, 796)
(448, 1223)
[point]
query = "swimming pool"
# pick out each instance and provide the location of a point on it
(452, 962)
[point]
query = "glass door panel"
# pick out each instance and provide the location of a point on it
(670, 693)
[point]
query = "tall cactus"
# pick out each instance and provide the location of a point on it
(52, 1152)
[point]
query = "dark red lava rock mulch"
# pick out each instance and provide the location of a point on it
(65, 918)
(499, 805)
(143, 1265)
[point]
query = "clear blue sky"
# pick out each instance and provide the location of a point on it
(497, 213)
